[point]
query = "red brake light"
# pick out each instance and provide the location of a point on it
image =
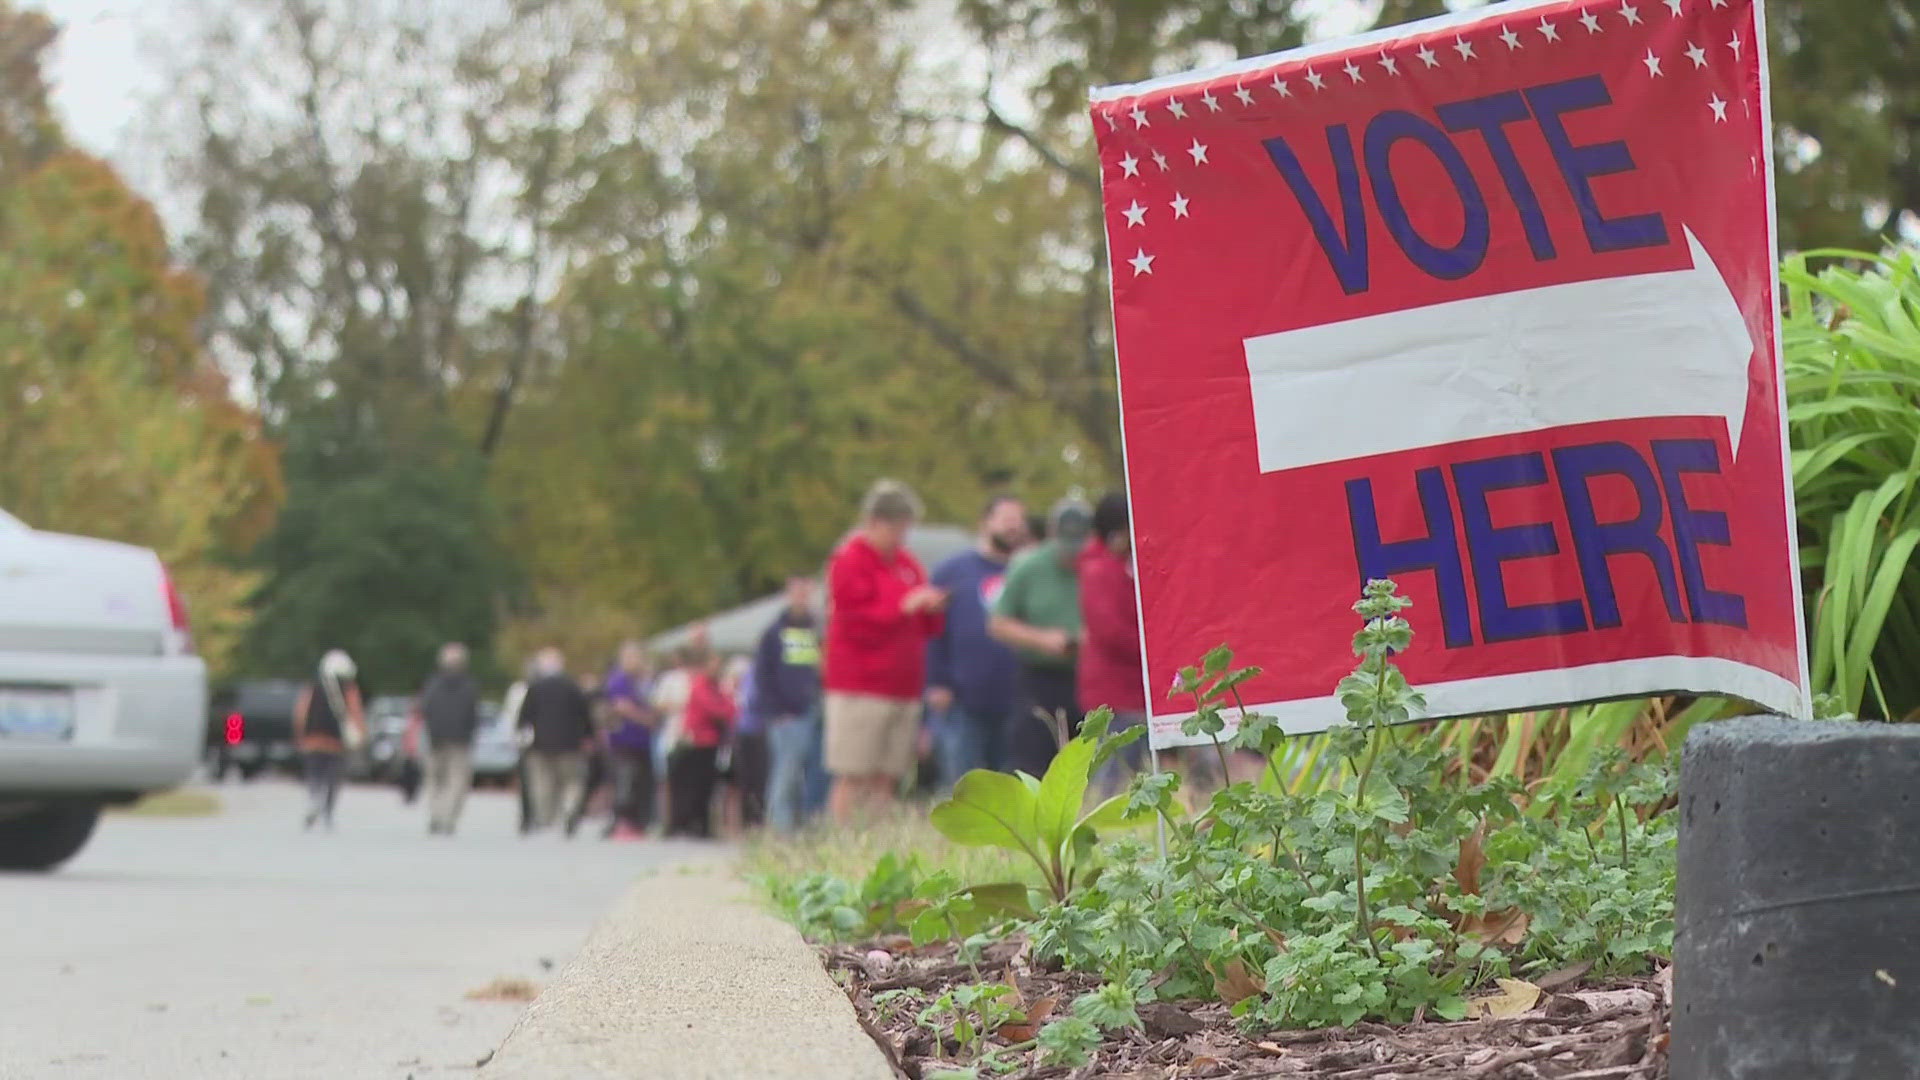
(236, 729)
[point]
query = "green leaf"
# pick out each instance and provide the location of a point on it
(1004, 899)
(990, 809)
(1062, 792)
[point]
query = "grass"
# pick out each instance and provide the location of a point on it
(851, 852)
(180, 803)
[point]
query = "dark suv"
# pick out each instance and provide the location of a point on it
(250, 727)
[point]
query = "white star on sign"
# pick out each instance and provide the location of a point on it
(1199, 152)
(1652, 62)
(1735, 45)
(1353, 72)
(1212, 103)
(1112, 124)
(1696, 54)
(1245, 95)
(1179, 205)
(1591, 21)
(1512, 39)
(1719, 3)
(1631, 14)
(1142, 263)
(1464, 48)
(1178, 108)
(1426, 57)
(1130, 165)
(1280, 87)
(1139, 117)
(1136, 215)
(1389, 64)
(1160, 159)
(1549, 31)
(1673, 6)
(1719, 109)
(1318, 80)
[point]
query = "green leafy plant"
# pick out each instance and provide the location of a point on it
(971, 1012)
(1851, 339)
(1042, 818)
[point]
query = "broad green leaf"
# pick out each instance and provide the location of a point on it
(990, 809)
(1062, 792)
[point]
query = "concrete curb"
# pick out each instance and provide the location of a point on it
(687, 979)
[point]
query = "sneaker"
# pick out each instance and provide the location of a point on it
(626, 833)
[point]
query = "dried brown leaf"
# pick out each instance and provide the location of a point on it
(1235, 983)
(1515, 996)
(1557, 980)
(1473, 859)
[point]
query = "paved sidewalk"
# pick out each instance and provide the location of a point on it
(687, 979)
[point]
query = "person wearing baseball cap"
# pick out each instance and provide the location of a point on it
(1038, 615)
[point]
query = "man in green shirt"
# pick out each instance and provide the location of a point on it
(1037, 614)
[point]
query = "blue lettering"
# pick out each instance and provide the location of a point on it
(1437, 551)
(1349, 256)
(1462, 258)
(1489, 116)
(1594, 542)
(1488, 547)
(1691, 528)
(1580, 164)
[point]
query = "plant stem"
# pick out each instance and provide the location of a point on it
(1360, 794)
(1221, 753)
(1621, 808)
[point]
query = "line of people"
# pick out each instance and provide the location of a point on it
(987, 662)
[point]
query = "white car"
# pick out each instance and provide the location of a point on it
(102, 699)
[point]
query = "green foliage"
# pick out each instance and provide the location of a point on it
(1068, 1041)
(1111, 1008)
(1385, 889)
(1852, 341)
(829, 908)
(1041, 819)
(968, 1013)
(386, 552)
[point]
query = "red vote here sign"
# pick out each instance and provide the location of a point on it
(1484, 304)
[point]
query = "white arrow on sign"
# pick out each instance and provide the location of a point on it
(1672, 343)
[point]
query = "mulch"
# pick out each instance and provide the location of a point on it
(1615, 1030)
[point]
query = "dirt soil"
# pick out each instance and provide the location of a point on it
(1575, 1031)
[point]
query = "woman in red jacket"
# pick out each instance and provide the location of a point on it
(881, 613)
(693, 768)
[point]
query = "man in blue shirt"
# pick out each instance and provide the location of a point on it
(972, 680)
(786, 699)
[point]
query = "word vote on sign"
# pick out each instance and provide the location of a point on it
(1484, 304)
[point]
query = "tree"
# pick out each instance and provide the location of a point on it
(112, 423)
(383, 549)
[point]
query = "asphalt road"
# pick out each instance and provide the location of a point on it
(237, 946)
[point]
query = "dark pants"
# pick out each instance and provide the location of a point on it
(1044, 692)
(632, 788)
(692, 772)
(323, 784)
(751, 767)
(596, 779)
(524, 786)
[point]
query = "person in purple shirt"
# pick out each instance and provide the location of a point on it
(972, 680)
(749, 749)
(630, 744)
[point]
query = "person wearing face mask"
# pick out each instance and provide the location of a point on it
(973, 680)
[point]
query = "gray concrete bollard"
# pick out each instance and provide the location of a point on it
(1797, 918)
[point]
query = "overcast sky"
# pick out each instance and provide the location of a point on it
(100, 73)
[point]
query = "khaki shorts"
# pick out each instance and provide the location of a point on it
(871, 736)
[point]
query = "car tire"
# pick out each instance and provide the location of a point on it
(44, 838)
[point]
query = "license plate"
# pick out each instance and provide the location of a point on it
(36, 714)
